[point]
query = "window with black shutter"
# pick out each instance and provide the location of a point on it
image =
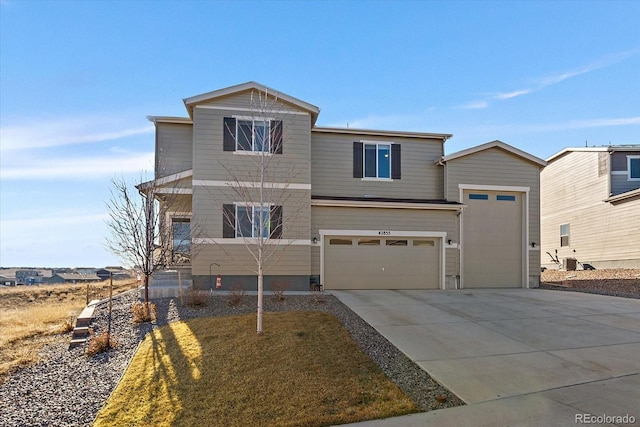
(244, 221)
(252, 135)
(377, 160)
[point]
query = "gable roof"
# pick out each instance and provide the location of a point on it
(608, 148)
(494, 144)
(232, 90)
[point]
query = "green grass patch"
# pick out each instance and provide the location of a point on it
(304, 370)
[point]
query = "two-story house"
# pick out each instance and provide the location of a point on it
(590, 207)
(347, 208)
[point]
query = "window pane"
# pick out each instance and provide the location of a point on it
(396, 242)
(369, 242)
(423, 243)
(564, 230)
(258, 214)
(261, 141)
(478, 197)
(340, 242)
(384, 161)
(634, 168)
(244, 135)
(370, 161)
(244, 224)
(181, 235)
(506, 198)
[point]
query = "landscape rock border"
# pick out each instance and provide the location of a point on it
(68, 388)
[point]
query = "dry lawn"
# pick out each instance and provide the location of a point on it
(305, 370)
(32, 316)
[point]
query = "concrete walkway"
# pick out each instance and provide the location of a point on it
(517, 357)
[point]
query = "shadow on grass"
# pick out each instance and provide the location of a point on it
(304, 371)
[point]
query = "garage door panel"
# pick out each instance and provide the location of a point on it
(383, 266)
(493, 242)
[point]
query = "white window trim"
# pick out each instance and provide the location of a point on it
(364, 165)
(629, 158)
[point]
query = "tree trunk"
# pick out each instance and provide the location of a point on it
(260, 286)
(146, 290)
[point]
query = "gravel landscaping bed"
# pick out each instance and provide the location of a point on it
(68, 388)
(615, 282)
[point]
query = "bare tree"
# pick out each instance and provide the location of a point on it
(262, 185)
(138, 236)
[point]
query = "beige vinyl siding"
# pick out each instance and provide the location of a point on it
(332, 172)
(212, 163)
(337, 218)
(252, 100)
(174, 148)
(237, 260)
(599, 232)
(497, 167)
(207, 211)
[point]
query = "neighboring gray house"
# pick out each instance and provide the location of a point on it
(73, 278)
(591, 206)
(365, 209)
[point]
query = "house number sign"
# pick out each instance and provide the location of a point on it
(384, 233)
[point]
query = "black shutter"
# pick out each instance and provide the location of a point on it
(396, 159)
(228, 221)
(276, 136)
(229, 141)
(275, 221)
(357, 159)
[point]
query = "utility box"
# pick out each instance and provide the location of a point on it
(570, 264)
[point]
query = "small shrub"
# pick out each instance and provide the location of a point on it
(67, 326)
(100, 343)
(318, 296)
(278, 287)
(143, 312)
(194, 298)
(236, 294)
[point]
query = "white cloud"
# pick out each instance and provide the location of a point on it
(474, 105)
(52, 132)
(513, 94)
(543, 82)
(77, 168)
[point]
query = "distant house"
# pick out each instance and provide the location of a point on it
(28, 277)
(7, 281)
(117, 272)
(74, 278)
(590, 206)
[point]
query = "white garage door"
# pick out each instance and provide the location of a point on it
(381, 263)
(493, 239)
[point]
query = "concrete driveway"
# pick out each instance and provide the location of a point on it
(516, 356)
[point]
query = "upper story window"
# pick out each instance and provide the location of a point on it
(633, 168)
(376, 160)
(250, 135)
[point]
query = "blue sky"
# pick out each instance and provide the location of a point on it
(77, 80)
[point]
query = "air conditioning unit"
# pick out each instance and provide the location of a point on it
(570, 264)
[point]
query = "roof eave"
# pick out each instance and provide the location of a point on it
(387, 133)
(231, 90)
